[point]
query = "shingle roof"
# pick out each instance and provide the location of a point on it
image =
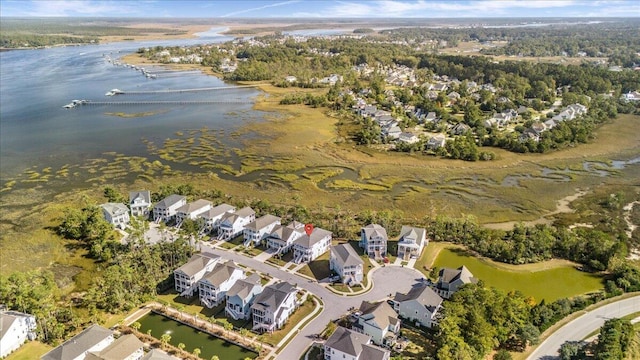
(120, 349)
(262, 222)
(379, 313)
(221, 273)
(375, 230)
(115, 209)
(193, 206)
(196, 263)
(347, 341)
(143, 194)
(218, 210)
(372, 352)
(274, 295)
(309, 240)
(6, 321)
(157, 354)
(169, 201)
(450, 275)
(346, 255)
(413, 233)
(242, 288)
(423, 294)
(78, 344)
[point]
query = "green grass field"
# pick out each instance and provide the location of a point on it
(29, 351)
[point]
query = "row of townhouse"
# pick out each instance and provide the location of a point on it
(218, 282)
(411, 242)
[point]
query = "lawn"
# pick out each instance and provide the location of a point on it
(29, 351)
(563, 280)
(305, 309)
(282, 260)
(419, 347)
(189, 305)
(318, 268)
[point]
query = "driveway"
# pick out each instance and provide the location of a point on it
(386, 280)
(581, 327)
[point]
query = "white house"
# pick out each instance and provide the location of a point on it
(213, 216)
(140, 202)
(259, 229)
(435, 142)
(421, 305)
(307, 248)
(15, 329)
(408, 138)
(192, 210)
(241, 296)
(411, 242)
(186, 277)
(347, 264)
(273, 306)
(450, 280)
(116, 214)
(126, 347)
(350, 345)
(214, 284)
(373, 239)
(92, 339)
(232, 223)
(379, 321)
(282, 237)
(166, 209)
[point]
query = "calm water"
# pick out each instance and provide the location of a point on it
(34, 85)
(192, 338)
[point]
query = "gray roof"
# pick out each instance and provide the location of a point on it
(120, 349)
(347, 341)
(412, 232)
(242, 288)
(221, 273)
(115, 209)
(170, 200)
(218, 210)
(78, 344)
(423, 294)
(286, 232)
(262, 222)
(375, 230)
(157, 354)
(372, 352)
(309, 240)
(233, 216)
(196, 263)
(143, 194)
(193, 206)
(379, 313)
(450, 275)
(346, 255)
(273, 295)
(6, 320)
(245, 211)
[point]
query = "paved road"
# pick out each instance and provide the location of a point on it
(581, 327)
(386, 280)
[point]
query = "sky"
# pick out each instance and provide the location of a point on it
(320, 8)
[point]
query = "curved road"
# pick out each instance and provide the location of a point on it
(581, 327)
(394, 278)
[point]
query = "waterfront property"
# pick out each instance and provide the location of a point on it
(213, 216)
(259, 229)
(157, 354)
(116, 214)
(373, 239)
(273, 306)
(281, 237)
(421, 305)
(15, 329)
(193, 338)
(126, 347)
(351, 345)
(186, 277)
(308, 247)
(92, 339)
(214, 284)
(232, 223)
(345, 262)
(166, 209)
(379, 321)
(450, 280)
(140, 203)
(241, 296)
(192, 210)
(412, 241)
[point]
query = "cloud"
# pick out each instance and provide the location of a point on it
(239, 12)
(62, 8)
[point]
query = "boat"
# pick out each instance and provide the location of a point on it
(113, 92)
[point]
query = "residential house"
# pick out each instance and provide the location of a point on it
(379, 321)
(15, 329)
(116, 214)
(232, 223)
(92, 339)
(373, 239)
(460, 129)
(273, 306)
(126, 347)
(439, 87)
(282, 237)
(631, 96)
(435, 142)
(391, 132)
(213, 216)
(307, 248)
(412, 241)
(290, 79)
(350, 345)
(192, 210)
(345, 262)
(157, 354)
(186, 277)
(431, 117)
(214, 284)
(166, 209)
(259, 229)
(450, 280)
(241, 296)
(140, 202)
(421, 305)
(408, 138)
